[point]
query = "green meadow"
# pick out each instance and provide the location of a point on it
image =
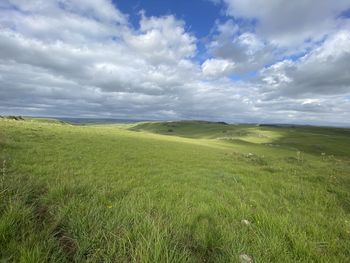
(186, 191)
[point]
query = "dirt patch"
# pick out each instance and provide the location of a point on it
(68, 244)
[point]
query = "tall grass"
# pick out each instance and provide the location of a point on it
(109, 194)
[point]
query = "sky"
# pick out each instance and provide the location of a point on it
(251, 61)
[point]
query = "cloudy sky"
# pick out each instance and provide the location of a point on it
(231, 60)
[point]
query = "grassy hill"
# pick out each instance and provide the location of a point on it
(209, 192)
(316, 140)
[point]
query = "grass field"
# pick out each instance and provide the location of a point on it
(173, 192)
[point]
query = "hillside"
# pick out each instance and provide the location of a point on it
(316, 140)
(173, 192)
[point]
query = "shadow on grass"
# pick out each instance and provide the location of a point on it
(204, 240)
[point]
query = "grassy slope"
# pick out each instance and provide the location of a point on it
(109, 194)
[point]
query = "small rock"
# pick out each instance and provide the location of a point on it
(245, 259)
(245, 222)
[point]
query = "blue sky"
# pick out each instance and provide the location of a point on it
(200, 15)
(231, 60)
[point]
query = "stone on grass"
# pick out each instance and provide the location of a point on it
(245, 222)
(244, 258)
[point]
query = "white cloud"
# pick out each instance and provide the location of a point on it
(217, 67)
(54, 65)
(290, 23)
(162, 39)
(70, 58)
(325, 70)
(246, 49)
(102, 10)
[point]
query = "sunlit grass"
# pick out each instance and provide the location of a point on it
(119, 193)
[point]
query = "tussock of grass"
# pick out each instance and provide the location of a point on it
(105, 193)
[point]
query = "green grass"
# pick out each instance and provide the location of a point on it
(132, 193)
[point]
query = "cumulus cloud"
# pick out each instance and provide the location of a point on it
(52, 64)
(85, 58)
(162, 40)
(290, 23)
(245, 49)
(217, 67)
(325, 70)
